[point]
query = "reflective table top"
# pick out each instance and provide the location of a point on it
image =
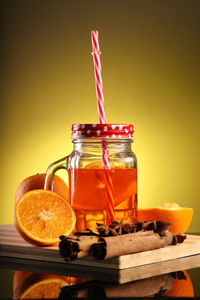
(17, 283)
(22, 277)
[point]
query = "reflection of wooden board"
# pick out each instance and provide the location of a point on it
(14, 248)
(102, 274)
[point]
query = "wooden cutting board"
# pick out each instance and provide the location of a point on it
(13, 245)
(14, 251)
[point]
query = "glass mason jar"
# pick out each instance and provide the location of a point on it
(100, 148)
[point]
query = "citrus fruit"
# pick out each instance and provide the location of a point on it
(182, 288)
(42, 216)
(28, 285)
(99, 165)
(179, 217)
(94, 165)
(37, 182)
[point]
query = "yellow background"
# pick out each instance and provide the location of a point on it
(150, 65)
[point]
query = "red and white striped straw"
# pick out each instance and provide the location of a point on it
(102, 119)
(98, 77)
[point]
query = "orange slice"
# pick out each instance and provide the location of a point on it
(94, 165)
(42, 216)
(179, 217)
(99, 165)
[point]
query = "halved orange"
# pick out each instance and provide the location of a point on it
(179, 217)
(42, 216)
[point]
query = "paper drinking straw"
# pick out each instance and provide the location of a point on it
(102, 119)
(98, 77)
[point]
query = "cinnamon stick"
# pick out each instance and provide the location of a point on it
(74, 246)
(117, 239)
(108, 247)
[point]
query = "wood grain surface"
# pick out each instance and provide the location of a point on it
(13, 245)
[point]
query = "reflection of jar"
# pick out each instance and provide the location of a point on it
(87, 184)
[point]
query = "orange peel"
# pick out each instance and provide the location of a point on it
(179, 217)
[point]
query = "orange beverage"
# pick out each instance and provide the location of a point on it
(88, 195)
(102, 171)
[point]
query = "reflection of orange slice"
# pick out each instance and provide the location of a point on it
(182, 288)
(42, 216)
(179, 217)
(27, 285)
(47, 288)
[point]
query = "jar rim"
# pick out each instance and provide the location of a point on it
(100, 140)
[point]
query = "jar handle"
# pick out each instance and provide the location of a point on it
(52, 169)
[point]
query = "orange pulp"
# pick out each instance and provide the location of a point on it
(88, 195)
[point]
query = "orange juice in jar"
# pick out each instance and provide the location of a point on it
(86, 170)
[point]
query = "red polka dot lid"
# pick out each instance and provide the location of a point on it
(105, 131)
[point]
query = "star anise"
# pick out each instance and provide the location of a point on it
(123, 228)
(162, 227)
(139, 226)
(149, 225)
(118, 228)
(178, 238)
(105, 230)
